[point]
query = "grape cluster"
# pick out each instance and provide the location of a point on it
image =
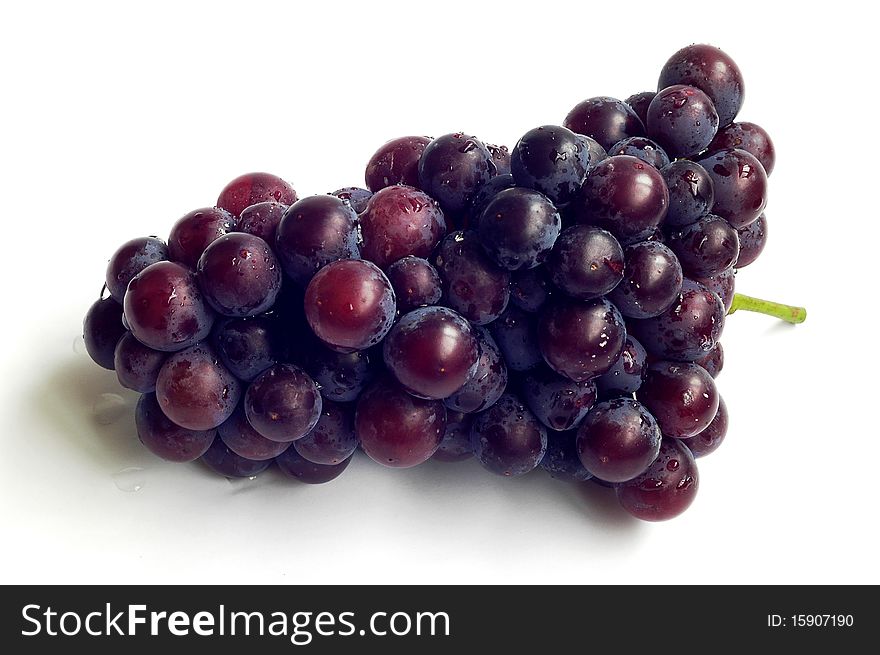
(555, 305)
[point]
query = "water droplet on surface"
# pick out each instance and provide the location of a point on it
(109, 408)
(129, 479)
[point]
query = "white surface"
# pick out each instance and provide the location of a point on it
(117, 120)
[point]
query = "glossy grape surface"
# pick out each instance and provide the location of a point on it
(723, 284)
(239, 275)
(283, 403)
(166, 439)
(416, 283)
(136, 365)
(530, 289)
(516, 333)
(251, 188)
(705, 248)
(456, 443)
(642, 148)
(639, 103)
(341, 376)
(295, 466)
(561, 459)
(195, 231)
(666, 489)
(550, 159)
(752, 239)
(486, 382)
(586, 262)
(396, 162)
(130, 259)
(559, 403)
(262, 220)
(682, 397)
(355, 196)
(691, 192)
(628, 373)
(518, 228)
(607, 120)
(740, 185)
(501, 158)
(683, 120)
(452, 169)
(333, 439)
(708, 441)
(713, 361)
(102, 330)
(484, 196)
(507, 438)
(224, 461)
(241, 438)
(749, 137)
(247, 346)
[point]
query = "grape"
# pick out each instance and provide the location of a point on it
(341, 376)
(416, 283)
(597, 152)
(723, 284)
(581, 340)
(639, 103)
(561, 460)
(165, 308)
(400, 221)
(710, 70)
(486, 382)
(688, 329)
(550, 159)
(251, 188)
(559, 403)
(195, 231)
(137, 366)
(708, 440)
(642, 148)
(651, 282)
(130, 259)
(313, 232)
(395, 428)
(618, 440)
(691, 192)
(246, 346)
(356, 197)
(516, 333)
(472, 285)
(749, 137)
(242, 439)
(166, 439)
(333, 439)
(752, 239)
(485, 195)
(740, 186)
(518, 228)
(682, 397)
(350, 305)
(501, 158)
(432, 351)
(456, 443)
(586, 262)
(283, 403)
(102, 330)
(705, 248)
(530, 288)
(239, 275)
(222, 460)
(262, 220)
(713, 361)
(666, 489)
(682, 119)
(452, 169)
(294, 465)
(396, 162)
(607, 120)
(507, 439)
(627, 374)
(624, 195)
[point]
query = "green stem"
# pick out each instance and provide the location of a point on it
(785, 312)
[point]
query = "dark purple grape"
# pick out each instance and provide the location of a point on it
(283, 403)
(396, 162)
(486, 382)
(666, 489)
(350, 305)
(416, 283)
(642, 148)
(683, 120)
(395, 428)
(516, 333)
(241, 438)
(530, 289)
(518, 228)
(400, 221)
(559, 403)
(239, 275)
(456, 443)
(682, 397)
(316, 231)
(165, 308)
(740, 186)
(294, 465)
(332, 440)
(452, 169)
(627, 374)
(691, 192)
(223, 460)
(688, 329)
(723, 284)
(485, 195)
(137, 366)
(102, 330)
(507, 439)
(261, 220)
(432, 351)
(356, 197)
(581, 340)
(639, 103)
(708, 440)
(341, 376)
(624, 195)
(710, 70)
(705, 248)
(652, 280)
(247, 346)
(472, 285)
(251, 188)
(586, 262)
(501, 158)
(713, 361)
(166, 439)
(752, 239)
(607, 120)
(749, 137)
(597, 152)
(618, 440)
(550, 159)
(130, 259)
(561, 459)
(195, 231)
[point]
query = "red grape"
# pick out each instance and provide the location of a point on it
(507, 438)
(241, 438)
(251, 188)
(682, 397)
(130, 259)
(137, 366)
(333, 439)
(666, 489)
(283, 403)
(102, 330)
(396, 162)
(195, 231)
(166, 439)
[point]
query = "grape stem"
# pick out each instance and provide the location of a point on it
(787, 313)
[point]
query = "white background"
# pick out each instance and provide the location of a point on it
(119, 118)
